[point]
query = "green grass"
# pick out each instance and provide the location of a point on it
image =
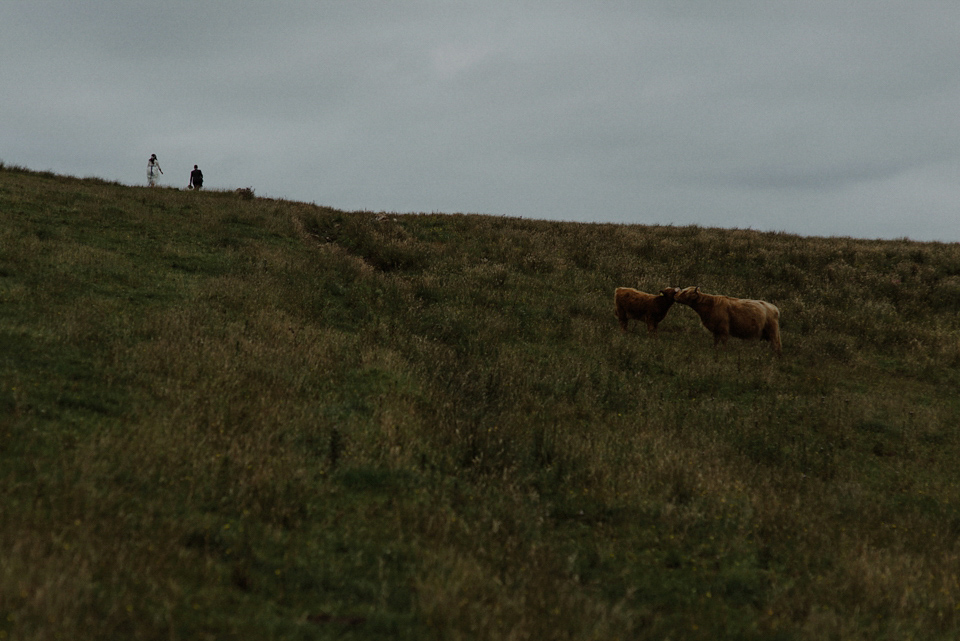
(230, 418)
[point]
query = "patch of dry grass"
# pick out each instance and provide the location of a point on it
(245, 418)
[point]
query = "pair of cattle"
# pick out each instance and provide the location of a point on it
(723, 316)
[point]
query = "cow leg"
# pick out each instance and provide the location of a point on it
(622, 318)
(775, 341)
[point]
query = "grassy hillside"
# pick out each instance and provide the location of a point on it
(227, 418)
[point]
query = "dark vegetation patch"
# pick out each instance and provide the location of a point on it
(230, 416)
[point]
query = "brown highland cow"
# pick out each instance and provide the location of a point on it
(641, 306)
(725, 316)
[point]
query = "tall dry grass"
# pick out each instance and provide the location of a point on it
(243, 418)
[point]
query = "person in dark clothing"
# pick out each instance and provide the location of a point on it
(196, 178)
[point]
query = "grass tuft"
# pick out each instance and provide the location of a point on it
(225, 416)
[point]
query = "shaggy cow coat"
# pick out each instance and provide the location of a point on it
(725, 316)
(641, 306)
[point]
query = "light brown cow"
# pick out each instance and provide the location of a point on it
(725, 316)
(650, 308)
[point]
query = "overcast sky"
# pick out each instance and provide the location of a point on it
(822, 118)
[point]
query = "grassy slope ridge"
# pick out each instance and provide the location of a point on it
(226, 418)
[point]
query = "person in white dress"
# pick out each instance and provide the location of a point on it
(153, 170)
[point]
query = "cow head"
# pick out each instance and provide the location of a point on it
(670, 292)
(687, 295)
